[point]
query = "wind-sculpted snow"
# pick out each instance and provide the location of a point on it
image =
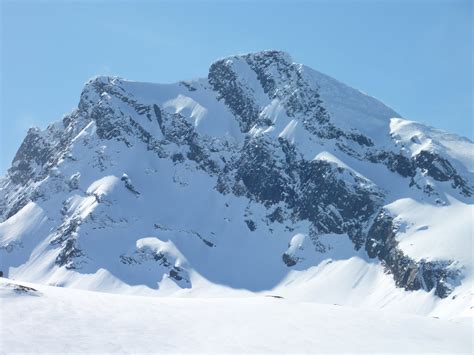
(265, 170)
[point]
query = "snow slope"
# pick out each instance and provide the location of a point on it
(75, 321)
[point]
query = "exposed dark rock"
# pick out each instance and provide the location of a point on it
(409, 274)
(435, 166)
(200, 155)
(261, 171)
(34, 151)
(276, 215)
(288, 260)
(441, 169)
(158, 116)
(145, 254)
(208, 243)
(73, 182)
(107, 128)
(395, 162)
(129, 185)
(260, 63)
(333, 204)
(250, 224)
(224, 81)
(174, 273)
(66, 239)
(204, 240)
(69, 251)
(189, 86)
(177, 157)
(300, 98)
(22, 289)
(328, 131)
(360, 139)
(17, 205)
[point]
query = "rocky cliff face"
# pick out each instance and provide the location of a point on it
(152, 182)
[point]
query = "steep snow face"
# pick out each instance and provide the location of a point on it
(349, 108)
(266, 175)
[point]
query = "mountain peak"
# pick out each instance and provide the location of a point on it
(266, 169)
(271, 55)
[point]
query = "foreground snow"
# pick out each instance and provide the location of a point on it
(51, 319)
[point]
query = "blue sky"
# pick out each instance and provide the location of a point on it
(413, 55)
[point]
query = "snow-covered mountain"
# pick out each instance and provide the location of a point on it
(266, 176)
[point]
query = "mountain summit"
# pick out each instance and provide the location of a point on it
(265, 176)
